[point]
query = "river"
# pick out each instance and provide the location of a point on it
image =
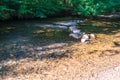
(22, 37)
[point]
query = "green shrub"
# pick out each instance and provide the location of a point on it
(44, 8)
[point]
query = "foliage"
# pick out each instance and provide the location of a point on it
(44, 8)
(95, 7)
(5, 11)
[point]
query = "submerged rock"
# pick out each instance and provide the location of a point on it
(74, 30)
(76, 36)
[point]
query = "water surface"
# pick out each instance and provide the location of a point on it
(24, 37)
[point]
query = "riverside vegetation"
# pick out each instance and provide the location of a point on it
(25, 9)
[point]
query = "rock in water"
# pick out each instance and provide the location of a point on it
(73, 29)
(76, 36)
(92, 36)
(76, 31)
(85, 36)
(85, 39)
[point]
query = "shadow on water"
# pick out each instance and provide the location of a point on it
(24, 39)
(101, 27)
(19, 40)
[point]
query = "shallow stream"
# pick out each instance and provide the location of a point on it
(24, 37)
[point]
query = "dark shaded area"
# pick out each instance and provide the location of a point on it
(109, 53)
(5, 70)
(117, 44)
(56, 56)
(104, 27)
(92, 52)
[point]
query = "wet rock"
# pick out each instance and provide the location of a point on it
(62, 26)
(92, 36)
(40, 49)
(70, 22)
(76, 36)
(85, 39)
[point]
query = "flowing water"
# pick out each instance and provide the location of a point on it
(22, 37)
(18, 37)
